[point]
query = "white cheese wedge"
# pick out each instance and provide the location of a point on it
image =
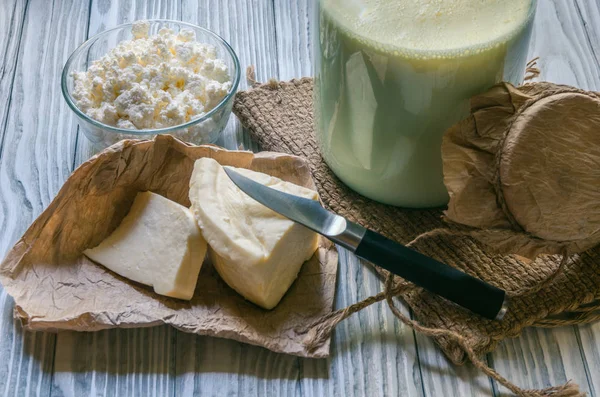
(255, 250)
(158, 244)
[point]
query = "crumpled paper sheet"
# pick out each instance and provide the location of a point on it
(55, 287)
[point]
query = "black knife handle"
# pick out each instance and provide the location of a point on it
(446, 281)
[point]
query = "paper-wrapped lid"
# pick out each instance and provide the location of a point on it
(525, 168)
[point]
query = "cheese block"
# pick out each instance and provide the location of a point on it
(158, 244)
(255, 250)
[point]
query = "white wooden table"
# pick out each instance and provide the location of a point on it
(372, 354)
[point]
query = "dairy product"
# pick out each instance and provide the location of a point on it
(393, 75)
(158, 243)
(153, 82)
(429, 25)
(255, 250)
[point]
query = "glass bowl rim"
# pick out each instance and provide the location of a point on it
(110, 128)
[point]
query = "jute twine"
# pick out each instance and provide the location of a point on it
(532, 71)
(548, 292)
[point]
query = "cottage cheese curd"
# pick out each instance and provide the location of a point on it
(153, 82)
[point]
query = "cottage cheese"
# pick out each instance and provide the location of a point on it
(153, 82)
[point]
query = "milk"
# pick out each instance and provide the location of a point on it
(393, 75)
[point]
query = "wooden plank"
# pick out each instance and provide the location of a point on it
(294, 24)
(116, 362)
(248, 27)
(127, 362)
(371, 342)
(565, 43)
(589, 13)
(11, 24)
(567, 49)
(541, 358)
(210, 366)
(588, 335)
(589, 344)
(80, 375)
(294, 43)
(11, 28)
(373, 354)
(440, 375)
(36, 157)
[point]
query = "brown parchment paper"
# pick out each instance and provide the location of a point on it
(57, 288)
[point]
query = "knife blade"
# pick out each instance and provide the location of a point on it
(446, 281)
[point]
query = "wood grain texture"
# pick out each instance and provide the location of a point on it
(36, 157)
(589, 342)
(120, 361)
(565, 45)
(208, 366)
(589, 14)
(115, 363)
(294, 25)
(91, 374)
(431, 373)
(372, 353)
(363, 363)
(541, 358)
(12, 15)
(248, 27)
(440, 375)
(564, 41)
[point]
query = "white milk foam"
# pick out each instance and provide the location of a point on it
(430, 25)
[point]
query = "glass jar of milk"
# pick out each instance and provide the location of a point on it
(392, 75)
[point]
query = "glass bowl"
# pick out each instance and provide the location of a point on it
(204, 129)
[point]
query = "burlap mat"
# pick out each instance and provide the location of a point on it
(279, 116)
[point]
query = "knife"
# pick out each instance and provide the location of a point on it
(465, 290)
